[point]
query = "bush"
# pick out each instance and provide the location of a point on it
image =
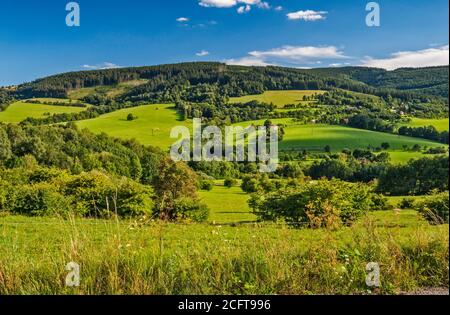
(380, 202)
(406, 203)
(435, 209)
(206, 185)
(249, 184)
(49, 191)
(190, 209)
(230, 182)
(316, 204)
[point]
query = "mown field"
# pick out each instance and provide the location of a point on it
(130, 257)
(152, 125)
(19, 111)
(312, 137)
(278, 98)
(439, 124)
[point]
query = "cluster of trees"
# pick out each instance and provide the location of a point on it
(5, 99)
(225, 113)
(41, 191)
(56, 103)
(429, 132)
(91, 175)
(66, 147)
(317, 204)
(417, 177)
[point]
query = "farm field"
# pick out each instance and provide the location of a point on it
(128, 257)
(439, 124)
(312, 137)
(19, 111)
(152, 126)
(278, 98)
(316, 137)
(110, 91)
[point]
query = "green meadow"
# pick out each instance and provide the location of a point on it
(110, 90)
(19, 111)
(227, 205)
(439, 124)
(278, 98)
(152, 125)
(339, 137)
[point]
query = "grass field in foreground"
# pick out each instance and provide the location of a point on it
(158, 258)
(278, 98)
(152, 126)
(19, 111)
(439, 124)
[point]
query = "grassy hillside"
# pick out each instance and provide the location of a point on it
(278, 98)
(439, 124)
(107, 90)
(339, 137)
(19, 111)
(152, 126)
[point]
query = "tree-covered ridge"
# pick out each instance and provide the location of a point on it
(430, 80)
(194, 81)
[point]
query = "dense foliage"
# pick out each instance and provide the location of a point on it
(435, 209)
(417, 177)
(41, 191)
(315, 204)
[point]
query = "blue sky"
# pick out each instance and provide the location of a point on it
(35, 40)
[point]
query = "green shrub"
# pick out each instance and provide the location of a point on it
(191, 210)
(37, 200)
(206, 185)
(380, 202)
(435, 209)
(315, 204)
(230, 182)
(406, 203)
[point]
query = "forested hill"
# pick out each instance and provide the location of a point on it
(431, 80)
(167, 82)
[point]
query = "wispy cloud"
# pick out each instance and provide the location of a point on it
(183, 19)
(308, 15)
(244, 6)
(101, 66)
(300, 56)
(202, 53)
(411, 59)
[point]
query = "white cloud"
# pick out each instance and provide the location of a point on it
(244, 9)
(300, 53)
(202, 53)
(411, 59)
(278, 8)
(101, 66)
(247, 61)
(244, 5)
(308, 15)
(294, 55)
(218, 3)
(182, 19)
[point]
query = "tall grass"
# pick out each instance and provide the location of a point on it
(157, 258)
